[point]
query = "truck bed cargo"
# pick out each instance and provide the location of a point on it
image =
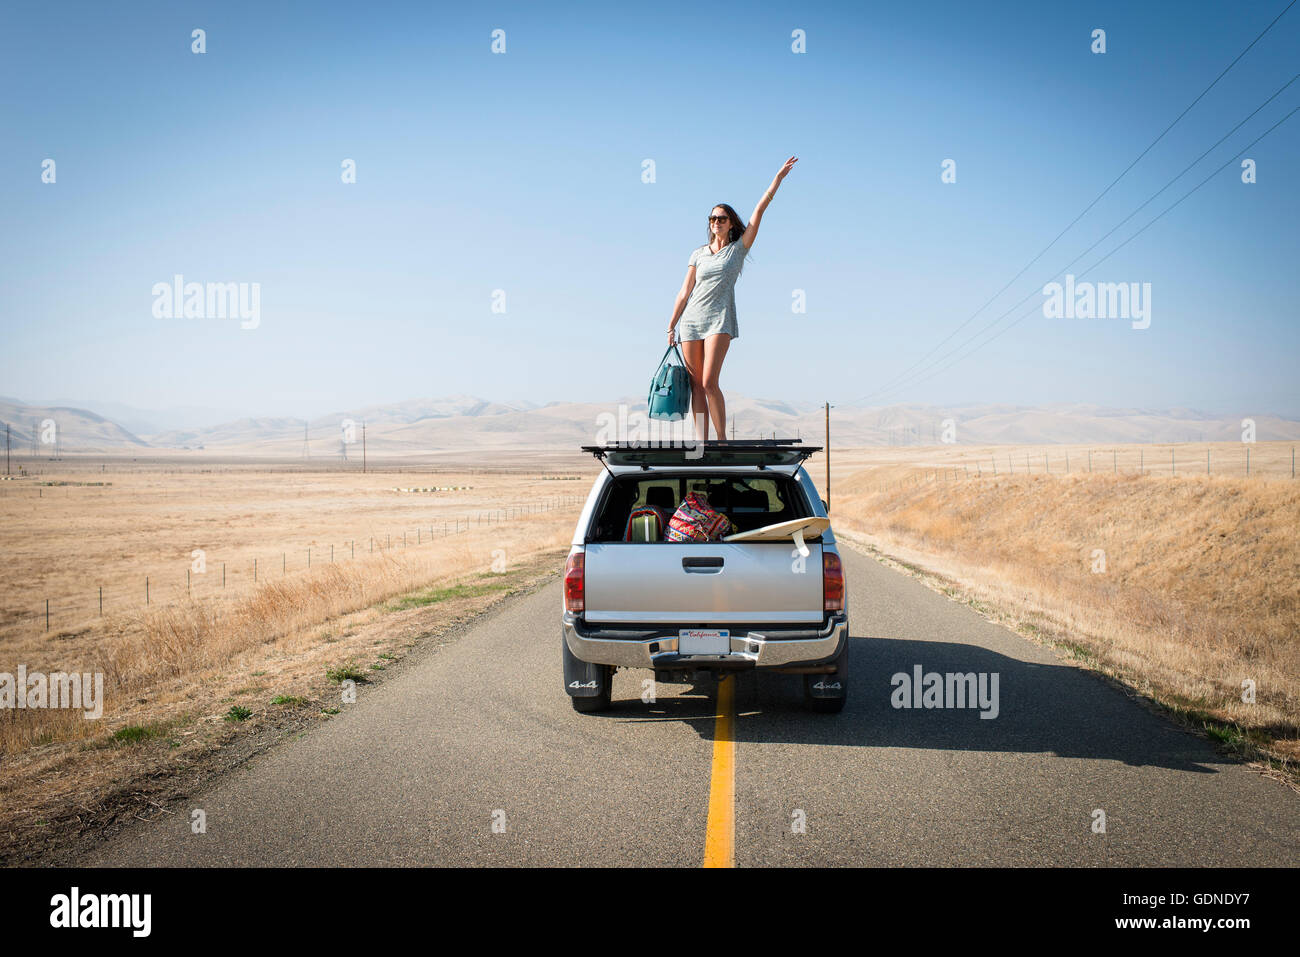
(703, 605)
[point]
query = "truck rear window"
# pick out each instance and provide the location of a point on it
(750, 501)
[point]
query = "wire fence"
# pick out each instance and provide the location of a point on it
(206, 575)
(1112, 461)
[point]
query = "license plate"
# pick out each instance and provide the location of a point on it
(703, 641)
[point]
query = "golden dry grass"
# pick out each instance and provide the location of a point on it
(1182, 586)
(174, 668)
(57, 795)
(148, 523)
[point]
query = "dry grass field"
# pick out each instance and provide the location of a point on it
(139, 531)
(1181, 586)
(174, 668)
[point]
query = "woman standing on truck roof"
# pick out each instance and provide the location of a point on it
(706, 305)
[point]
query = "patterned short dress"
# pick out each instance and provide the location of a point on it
(712, 306)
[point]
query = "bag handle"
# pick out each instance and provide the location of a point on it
(680, 359)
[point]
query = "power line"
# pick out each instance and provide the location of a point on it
(888, 386)
(1159, 216)
(908, 380)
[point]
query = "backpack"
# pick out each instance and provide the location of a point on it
(670, 388)
(645, 524)
(696, 521)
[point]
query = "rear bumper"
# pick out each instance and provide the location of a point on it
(751, 646)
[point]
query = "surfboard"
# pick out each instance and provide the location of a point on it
(793, 530)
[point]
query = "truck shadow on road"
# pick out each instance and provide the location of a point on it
(1038, 708)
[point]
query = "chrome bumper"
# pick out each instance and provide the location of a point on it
(756, 647)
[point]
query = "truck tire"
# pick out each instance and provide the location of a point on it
(817, 699)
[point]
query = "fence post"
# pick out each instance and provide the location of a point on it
(254, 569)
(47, 614)
(146, 589)
(101, 601)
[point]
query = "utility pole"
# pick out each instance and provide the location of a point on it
(6, 448)
(828, 457)
(363, 448)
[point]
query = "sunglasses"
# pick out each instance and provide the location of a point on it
(718, 219)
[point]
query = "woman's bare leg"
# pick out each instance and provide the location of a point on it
(715, 350)
(693, 353)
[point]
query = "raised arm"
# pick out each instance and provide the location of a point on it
(757, 218)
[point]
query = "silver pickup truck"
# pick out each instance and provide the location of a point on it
(683, 608)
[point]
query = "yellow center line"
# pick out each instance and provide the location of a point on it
(720, 835)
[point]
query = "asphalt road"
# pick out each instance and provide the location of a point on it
(473, 756)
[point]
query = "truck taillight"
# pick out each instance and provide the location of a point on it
(573, 581)
(832, 582)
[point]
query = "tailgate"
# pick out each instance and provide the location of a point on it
(713, 583)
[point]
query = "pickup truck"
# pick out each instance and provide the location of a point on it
(683, 608)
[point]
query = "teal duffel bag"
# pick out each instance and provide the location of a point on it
(670, 389)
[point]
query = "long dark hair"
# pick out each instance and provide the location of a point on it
(733, 235)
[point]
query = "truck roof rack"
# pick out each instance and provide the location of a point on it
(760, 452)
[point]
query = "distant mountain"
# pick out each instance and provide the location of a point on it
(414, 410)
(53, 429)
(463, 422)
(147, 422)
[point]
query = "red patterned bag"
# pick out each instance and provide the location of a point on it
(696, 521)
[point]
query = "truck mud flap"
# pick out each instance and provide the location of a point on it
(830, 685)
(582, 679)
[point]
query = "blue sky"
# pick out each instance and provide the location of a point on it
(522, 172)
